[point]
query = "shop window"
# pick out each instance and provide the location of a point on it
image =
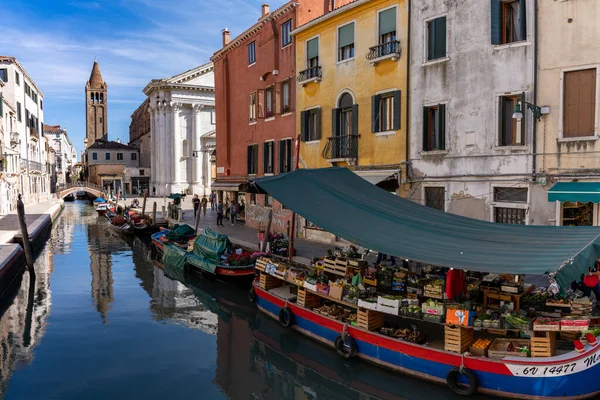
(579, 103)
(435, 197)
(310, 121)
(434, 127)
(285, 155)
(436, 39)
(268, 157)
(385, 111)
(508, 21)
(346, 42)
(251, 53)
(577, 214)
(508, 215)
(512, 131)
(286, 29)
(252, 159)
(252, 107)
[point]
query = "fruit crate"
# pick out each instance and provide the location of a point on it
(499, 348)
(546, 324)
(357, 263)
(335, 267)
(307, 299)
(369, 319)
(434, 293)
(570, 335)
(543, 344)
(268, 282)
(261, 264)
(458, 338)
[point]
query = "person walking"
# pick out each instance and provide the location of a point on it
(212, 197)
(233, 210)
(204, 202)
(153, 191)
(220, 214)
(196, 204)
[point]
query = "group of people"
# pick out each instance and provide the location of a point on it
(231, 210)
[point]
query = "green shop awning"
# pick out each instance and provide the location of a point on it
(573, 192)
(348, 206)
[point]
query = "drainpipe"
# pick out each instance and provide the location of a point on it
(407, 126)
(535, 74)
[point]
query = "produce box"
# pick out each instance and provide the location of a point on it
(369, 305)
(307, 299)
(371, 282)
(543, 344)
(369, 319)
(310, 286)
(414, 290)
(457, 338)
(515, 322)
(268, 282)
(389, 306)
(323, 289)
(434, 318)
(261, 263)
(291, 276)
(546, 324)
(579, 324)
(460, 317)
(570, 335)
(433, 310)
(512, 289)
(335, 291)
(503, 347)
(433, 293)
(480, 347)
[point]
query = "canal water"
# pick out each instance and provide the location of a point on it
(102, 320)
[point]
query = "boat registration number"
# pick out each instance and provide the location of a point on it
(568, 368)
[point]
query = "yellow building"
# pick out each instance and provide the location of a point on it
(351, 95)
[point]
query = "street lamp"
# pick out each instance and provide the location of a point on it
(536, 110)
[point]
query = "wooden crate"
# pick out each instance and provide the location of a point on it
(570, 335)
(498, 348)
(261, 263)
(458, 338)
(434, 293)
(543, 344)
(307, 299)
(332, 267)
(369, 319)
(357, 263)
(268, 282)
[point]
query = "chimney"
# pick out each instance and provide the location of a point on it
(265, 9)
(226, 37)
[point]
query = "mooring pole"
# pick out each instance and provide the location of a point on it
(144, 204)
(24, 234)
(198, 219)
(267, 232)
(154, 213)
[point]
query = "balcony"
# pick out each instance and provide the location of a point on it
(341, 148)
(312, 74)
(31, 165)
(390, 50)
(35, 135)
(14, 139)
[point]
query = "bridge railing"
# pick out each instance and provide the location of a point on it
(79, 184)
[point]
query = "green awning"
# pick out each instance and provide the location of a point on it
(573, 192)
(348, 206)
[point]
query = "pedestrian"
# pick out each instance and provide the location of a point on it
(196, 204)
(227, 207)
(153, 191)
(220, 214)
(212, 200)
(233, 210)
(204, 202)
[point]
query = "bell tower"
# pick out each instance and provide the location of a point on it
(96, 107)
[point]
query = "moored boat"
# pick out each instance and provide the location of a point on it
(99, 200)
(180, 235)
(119, 224)
(102, 208)
(69, 197)
(81, 195)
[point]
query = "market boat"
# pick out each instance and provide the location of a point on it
(98, 200)
(102, 208)
(517, 367)
(69, 197)
(180, 234)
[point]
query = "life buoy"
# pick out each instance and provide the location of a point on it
(251, 295)
(452, 381)
(345, 348)
(286, 318)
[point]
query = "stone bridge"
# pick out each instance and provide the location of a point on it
(78, 186)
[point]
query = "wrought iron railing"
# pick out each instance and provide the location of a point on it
(341, 147)
(309, 73)
(384, 49)
(14, 138)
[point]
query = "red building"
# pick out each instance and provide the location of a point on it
(255, 88)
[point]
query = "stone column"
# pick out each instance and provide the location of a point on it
(197, 145)
(168, 132)
(177, 142)
(152, 149)
(162, 160)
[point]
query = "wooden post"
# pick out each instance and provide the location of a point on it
(154, 213)
(198, 219)
(267, 232)
(25, 234)
(144, 204)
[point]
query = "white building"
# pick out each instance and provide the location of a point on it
(182, 125)
(24, 132)
(471, 62)
(64, 152)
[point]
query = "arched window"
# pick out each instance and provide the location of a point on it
(92, 97)
(101, 97)
(97, 99)
(345, 107)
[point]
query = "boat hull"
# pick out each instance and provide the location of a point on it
(508, 378)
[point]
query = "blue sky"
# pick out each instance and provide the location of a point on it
(134, 40)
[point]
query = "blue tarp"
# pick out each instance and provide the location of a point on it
(99, 200)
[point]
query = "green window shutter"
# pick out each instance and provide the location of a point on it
(523, 131)
(431, 40)
(397, 103)
(425, 126)
(265, 158)
(496, 21)
(387, 21)
(346, 35)
(1, 106)
(442, 127)
(281, 155)
(335, 120)
(375, 101)
(289, 156)
(523, 19)
(439, 38)
(255, 158)
(318, 123)
(355, 119)
(304, 126)
(312, 48)
(501, 111)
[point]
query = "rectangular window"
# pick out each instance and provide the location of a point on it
(512, 131)
(579, 103)
(133, 156)
(346, 42)
(142, 172)
(252, 159)
(94, 156)
(119, 156)
(268, 200)
(41, 104)
(508, 215)
(107, 156)
(436, 39)
(510, 195)
(508, 21)
(251, 53)
(268, 157)
(310, 121)
(19, 117)
(285, 155)
(435, 197)
(286, 37)
(385, 110)
(252, 107)
(286, 106)
(434, 129)
(312, 53)
(269, 102)
(4, 74)
(17, 78)
(387, 25)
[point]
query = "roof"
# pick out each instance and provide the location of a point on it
(52, 128)
(348, 206)
(13, 60)
(179, 80)
(109, 145)
(96, 81)
(328, 15)
(239, 39)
